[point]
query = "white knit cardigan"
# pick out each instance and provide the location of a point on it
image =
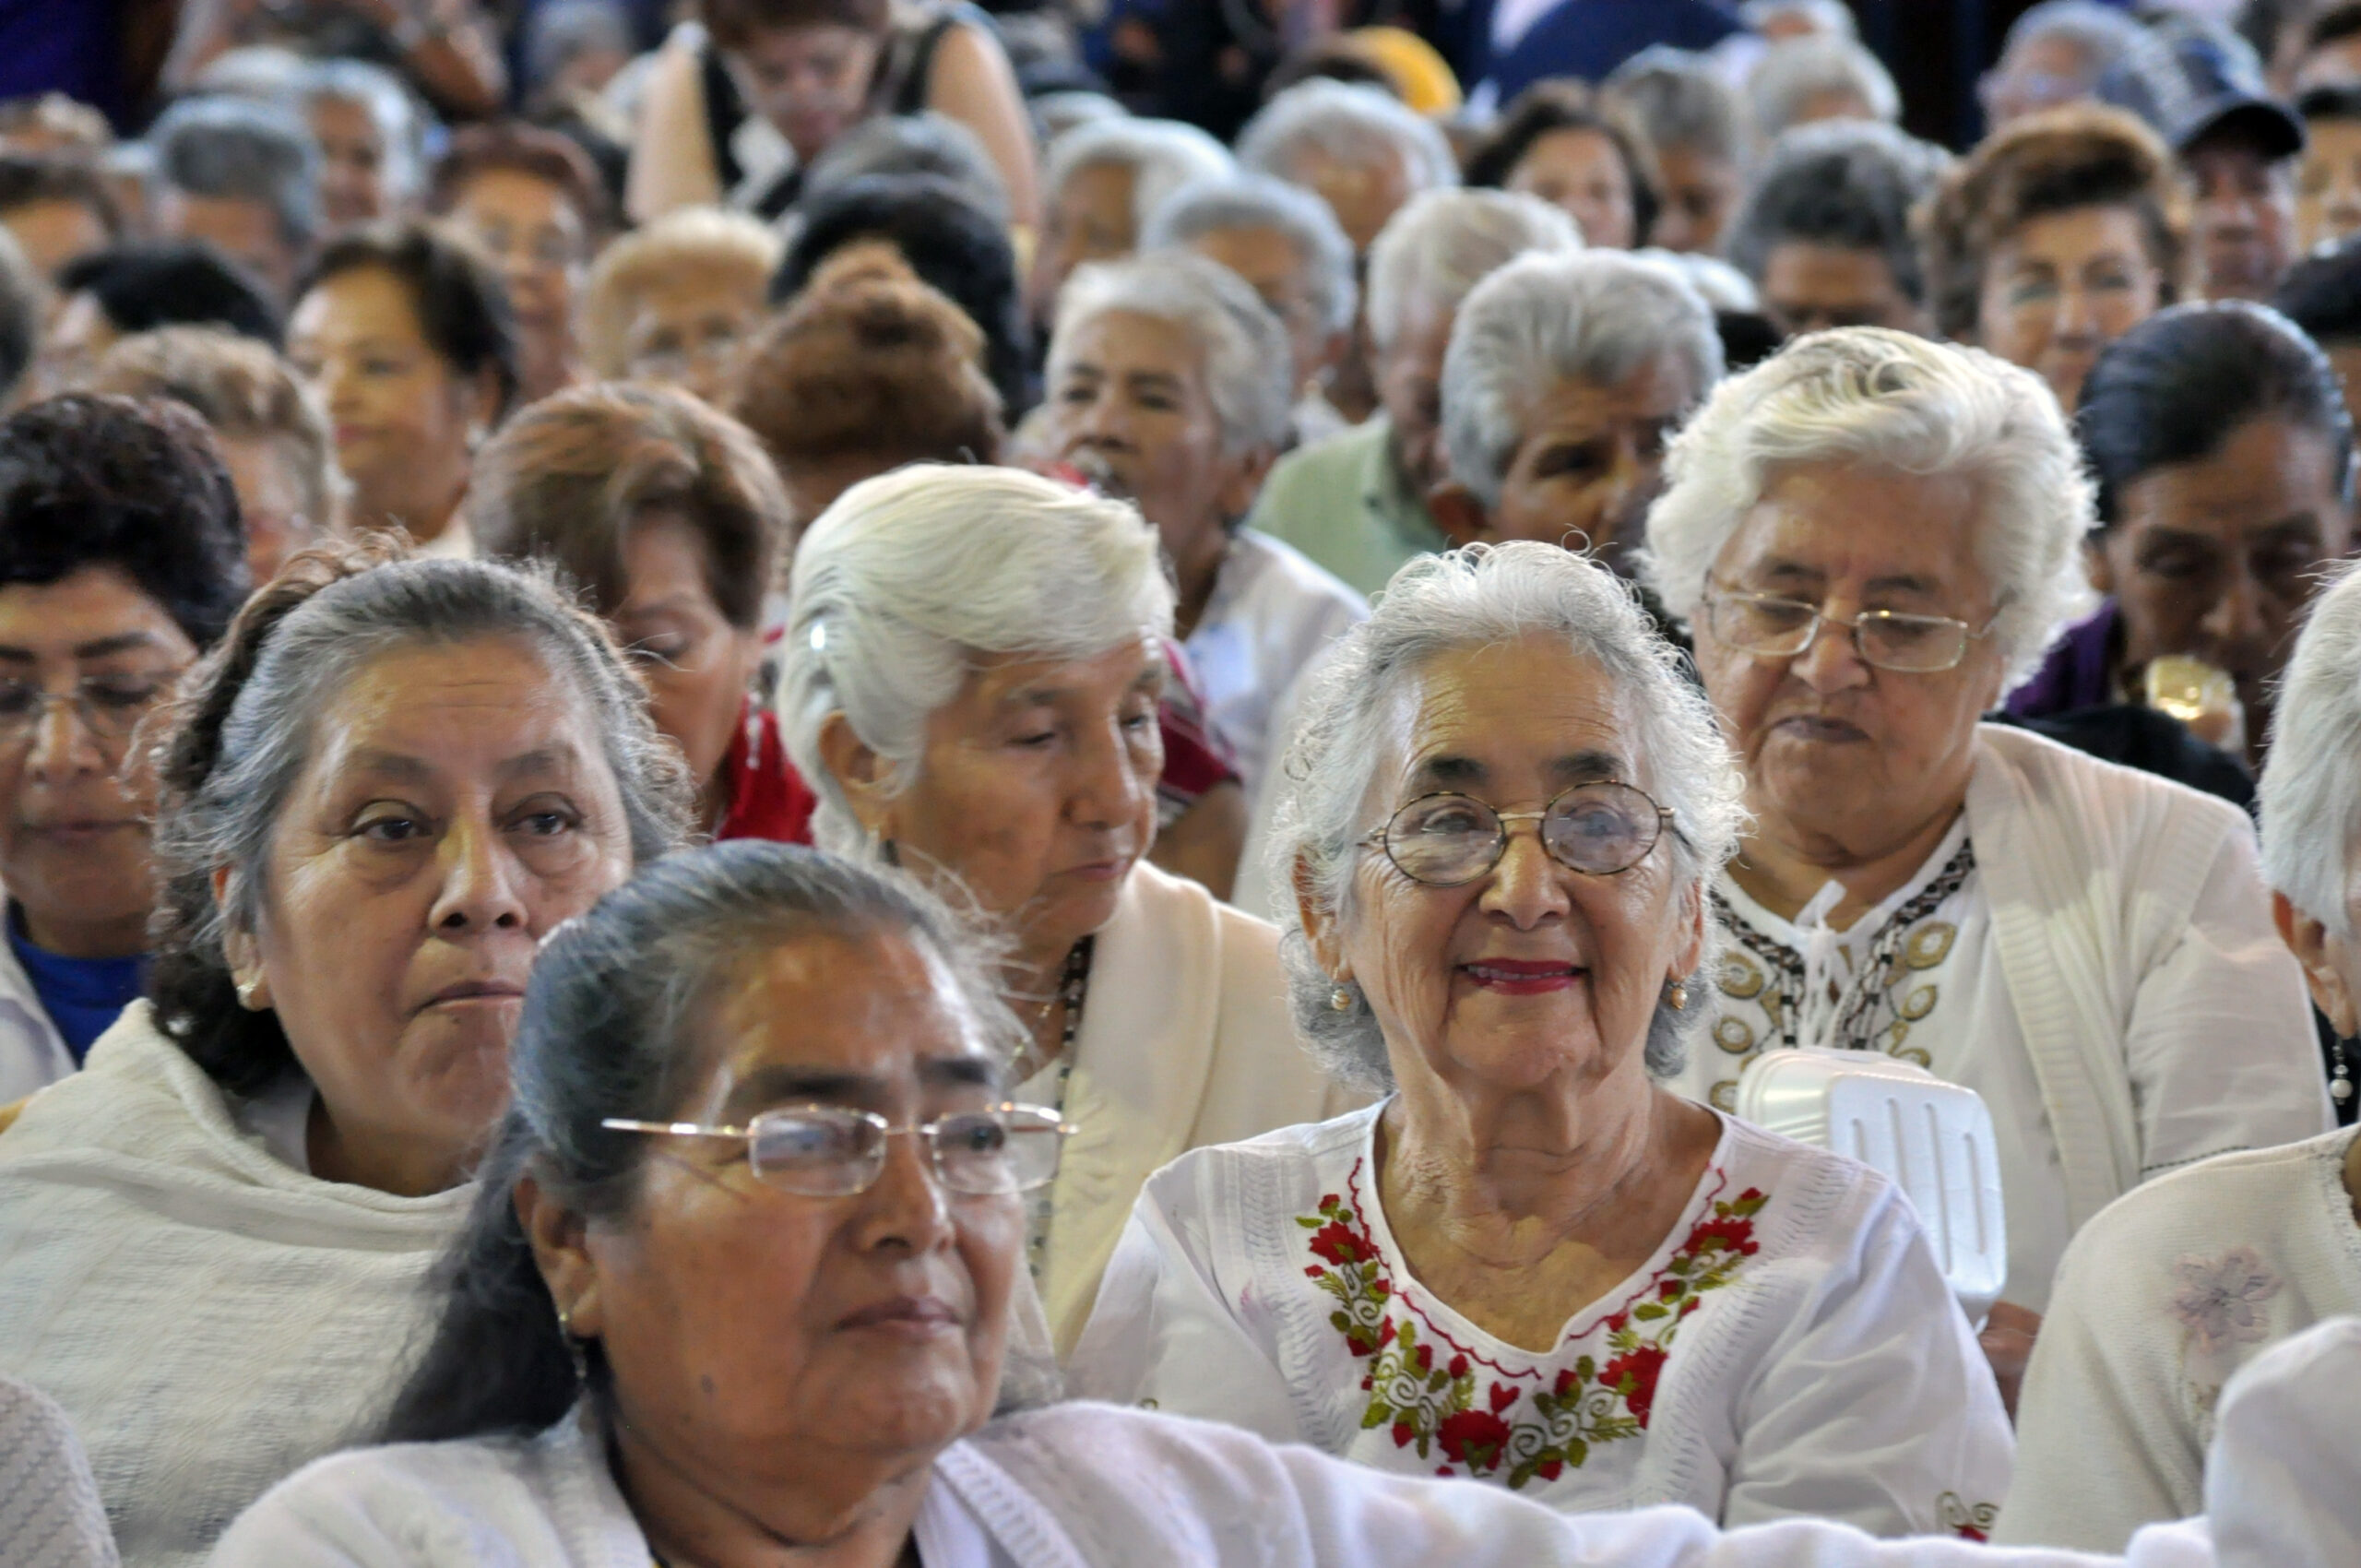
(210, 1318)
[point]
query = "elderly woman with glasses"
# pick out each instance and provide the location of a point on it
(1871, 536)
(1533, 1265)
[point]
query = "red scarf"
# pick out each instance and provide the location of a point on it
(767, 797)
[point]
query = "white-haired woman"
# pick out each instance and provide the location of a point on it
(1290, 250)
(1870, 536)
(1358, 504)
(1168, 385)
(973, 662)
(1566, 377)
(1818, 76)
(1533, 1265)
(1364, 152)
(2179, 1283)
(1104, 180)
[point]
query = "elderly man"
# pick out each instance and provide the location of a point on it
(1825, 232)
(2237, 147)
(244, 178)
(1356, 505)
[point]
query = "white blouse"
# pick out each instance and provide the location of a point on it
(1790, 1349)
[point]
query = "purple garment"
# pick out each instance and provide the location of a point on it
(2074, 674)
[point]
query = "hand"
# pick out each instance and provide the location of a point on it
(2008, 1337)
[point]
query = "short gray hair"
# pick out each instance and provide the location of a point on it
(1470, 598)
(1249, 365)
(1595, 315)
(1792, 71)
(2311, 776)
(1443, 244)
(1162, 156)
(2104, 33)
(1351, 123)
(390, 106)
(1679, 100)
(1257, 201)
(235, 149)
(909, 576)
(1848, 184)
(1897, 401)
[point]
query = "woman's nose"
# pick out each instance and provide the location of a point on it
(1527, 886)
(482, 883)
(1832, 663)
(906, 1207)
(2235, 620)
(1106, 789)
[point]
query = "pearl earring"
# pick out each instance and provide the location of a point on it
(1341, 999)
(1678, 996)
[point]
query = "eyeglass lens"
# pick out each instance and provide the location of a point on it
(110, 708)
(1444, 840)
(1783, 627)
(827, 1153)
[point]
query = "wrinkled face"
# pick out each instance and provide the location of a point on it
(1090, 218)
(74, 828)
(456, 805)
(2218, 558)
(528, 226)
(810, 81)
(2328, 184)
(403, 416)
(53, 231)
(1281, 274)
(1533, 974)
(1580, 171)
(740, 1320)
(696, 663)
(1700, 192)
(685, 329)
(1409, 387)
(1840, 754)
(246, 232)
(1810, 286)
(1128, 393)
(1037, 788)
(353, 163)
(1592, 460)
(1362, 193)
(2064, 286)
(2242, 222)
(270, 500)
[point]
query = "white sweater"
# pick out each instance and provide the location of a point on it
(1074, 1486)
(210, 1318)
(2160, 1299)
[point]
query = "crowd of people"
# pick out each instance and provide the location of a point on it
(764, 770)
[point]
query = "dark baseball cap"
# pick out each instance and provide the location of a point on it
(2203, 83)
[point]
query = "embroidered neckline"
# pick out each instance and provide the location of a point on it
(1522, 1429)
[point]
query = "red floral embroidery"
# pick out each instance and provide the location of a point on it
(1515, 1434)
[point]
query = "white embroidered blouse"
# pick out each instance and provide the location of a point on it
(1790, 1349)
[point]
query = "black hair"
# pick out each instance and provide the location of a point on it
(1843, 184)
(2321, 294)
(1558, 105)
(2175, 388)
(2329, 103)
(29, 177)
(607, 1030)
(148, 284)
(950, 242)
(462, 303)
(94, 479)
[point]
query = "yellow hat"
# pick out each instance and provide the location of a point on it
(1419, 74)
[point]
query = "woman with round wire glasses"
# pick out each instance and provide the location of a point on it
(1533, 1265)
(1873, 537)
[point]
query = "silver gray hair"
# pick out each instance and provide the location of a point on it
(1597, 316)
(1162, 156)
(1443, 244)
(2311, 777)
(391, 109)
(909, 576)
(1470, 599)
(236, 148)
(1679, 100)
(1257, 201)
(1249, 363)
(1896, 401)
(2104, 33)
(1794, 71)
(1351, 123)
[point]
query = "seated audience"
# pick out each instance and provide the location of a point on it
(534, 203)
(367, 128)
(1103, 181)
(2057, 53)
(1824, 232)
(1818, 76)
(973, 661)
(120, 561)
(670, 521)
(1694, 126)
(2328, 179)
(243, 177)
(1558, 143)
(2082, 945)
(1166, 388)
(2059, 234)
(2177, 1286)
(271, 430)
(114, 293)
(1287, 246)
(671, 302)
(405, 332)
(56, 208)
(1567, 376)
(2322, 295)
(2224, 455)
(1356, 505)
(1532, 1263)
(2237, 149)
(387, 788)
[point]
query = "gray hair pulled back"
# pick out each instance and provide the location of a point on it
(243, 732)
(1468, 598)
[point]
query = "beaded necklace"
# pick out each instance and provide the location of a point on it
(1072, 988)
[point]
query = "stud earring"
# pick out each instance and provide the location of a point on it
(1678, 996)
(246, 990)
(1341, 999)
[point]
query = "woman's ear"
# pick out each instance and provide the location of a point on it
(1320, 928)
(240, 950)
(2318, 949)
(558, 1238)
(1692, 949)
(1458, 514)
(859, 771)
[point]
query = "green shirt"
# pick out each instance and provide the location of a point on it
(1342, 502)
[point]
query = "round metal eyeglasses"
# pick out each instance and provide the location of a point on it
(1448, 839)
(833, 1151)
